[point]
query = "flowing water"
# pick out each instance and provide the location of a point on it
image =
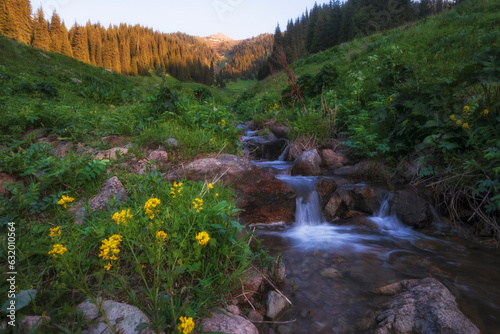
(332, 267)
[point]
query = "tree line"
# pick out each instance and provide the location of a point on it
(127, 49)
(336, 22)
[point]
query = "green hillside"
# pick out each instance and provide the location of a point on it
(426, 94)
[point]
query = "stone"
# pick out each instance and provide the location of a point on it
(365, 200)
(325, 188)
(76, 80)
(280, 130)
(4, 178)
(114, 140)
(307, 163)
(112, 187)
(412, 209)
(30, 323)
(228, 167)
(171, 142)
(112, 154)
(123, 317)
(421, 306)
(62, 148)
(276, 305)
(264, 198)
(330, 159)
(267, 147)
(251, 285)
(233, 309)
(255, 316)
(158, 156)
(230, 323)
(334, 208)
(331, 273)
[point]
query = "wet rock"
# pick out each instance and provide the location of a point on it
(421, 306)
(334, 208)
(158, 156)
(228, 167)
(331, 273)
(330, 159)
(4, 178)
(415, 265)
(112, 154)
(230, 323)
(365, 200)
(112, 187)
(307, 163)
(264, 198)
(276, 305)
(325, 188)
(123, 317)
(280, 130)
(30, 323)
(115, 141)
(412, 209)
(265, 147)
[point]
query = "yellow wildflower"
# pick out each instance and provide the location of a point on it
(176, 189)
(187, 325)
(217, 194)
(203, 238)
(466, 109)
(121, 217)
(452, 117)
(64, 200)
(57, 249)
(210, 186)
(150, 205)
(465, 125)
(198, 204)
(485, 112)
(109, 248)
(55, 231)
(108, 266)
(160, 235)
(459, 122)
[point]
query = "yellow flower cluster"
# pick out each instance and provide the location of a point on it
(485, 112)
(176, 189)
(466, 109)
(55, 231)
(187, 325)
(203, 238)
(109, 249)
(121, 217)
(198, 204)
(222, 123)
(58, 249)
(150, 205)
(210, 186)
(161, 235)
(64, 200)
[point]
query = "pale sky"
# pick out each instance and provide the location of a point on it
(237, 19)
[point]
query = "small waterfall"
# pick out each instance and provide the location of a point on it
(284, 153)
(386, 218)
(308, 211)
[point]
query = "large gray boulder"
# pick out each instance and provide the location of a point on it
(230, 323)
(307, 163)
(421, 306)
(123, 317)
(112, 187)
(412, 209)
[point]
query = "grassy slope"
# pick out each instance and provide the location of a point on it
(428, 91)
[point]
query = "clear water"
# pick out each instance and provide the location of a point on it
(368, 258)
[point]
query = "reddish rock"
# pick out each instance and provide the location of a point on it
(230, 323)
(158, 156)
(112, 187)
(62, 148)
(325, 188)
(280, 130)
(330, 159)
(366, 200)
(335, 207)
(251, 285)
(115, 141)
(4, 177)
(307, 163)
(112, 154)
(264, 198)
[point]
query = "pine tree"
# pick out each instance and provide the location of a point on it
(41, 37)
(56, 33)
(66, 44)
(79, 43)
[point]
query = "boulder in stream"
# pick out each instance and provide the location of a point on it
(421, 306)
(307, 163)
(412, 209)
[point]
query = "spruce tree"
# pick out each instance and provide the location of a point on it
(79, 43)
(41, 37)
(56, 33)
